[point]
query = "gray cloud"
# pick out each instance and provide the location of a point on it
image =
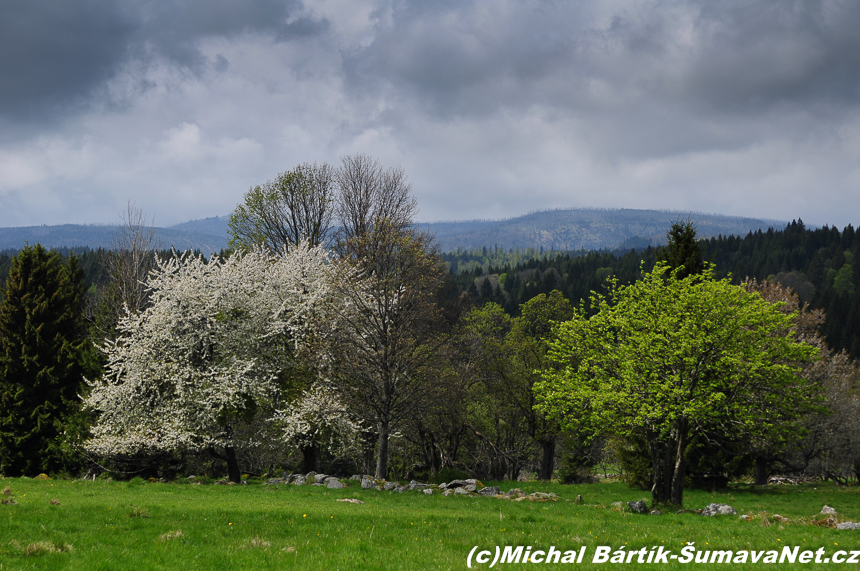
(747, 108)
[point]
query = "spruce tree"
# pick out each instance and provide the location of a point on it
(44, 355)
(683, 249)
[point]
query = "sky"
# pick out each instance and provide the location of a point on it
(492, 108)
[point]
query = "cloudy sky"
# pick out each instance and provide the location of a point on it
(493, 108)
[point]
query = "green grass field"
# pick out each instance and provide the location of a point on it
(138, 525)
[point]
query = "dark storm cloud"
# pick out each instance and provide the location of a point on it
(54, 56)
(53, 53)
(721, 57)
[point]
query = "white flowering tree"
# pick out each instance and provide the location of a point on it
(209, 354)
(318, 417)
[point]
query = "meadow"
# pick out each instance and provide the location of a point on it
(139, 525)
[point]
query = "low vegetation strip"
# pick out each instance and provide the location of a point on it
(259, 526)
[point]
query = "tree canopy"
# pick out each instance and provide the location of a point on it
(662, 360)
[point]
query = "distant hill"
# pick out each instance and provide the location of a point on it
(572, 229)
(589, 229)
(101, 236)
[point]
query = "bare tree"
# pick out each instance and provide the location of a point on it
(367, 195)
(127, 265)
(298, 205)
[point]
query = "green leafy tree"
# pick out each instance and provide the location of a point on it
(44, 355)
(298, 205)
(665, 359)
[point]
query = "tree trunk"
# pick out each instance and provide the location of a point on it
(546, 464)
(233, 473)
(677, 496)
(311, 456)
(382, 452)
(762, 471)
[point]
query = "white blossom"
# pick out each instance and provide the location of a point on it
(208, 353)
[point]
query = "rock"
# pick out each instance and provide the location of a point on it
(780, 518)
(231, 483)
(490, 491)
(275, 481)
(356, 477)
(848, 525)
(413, 485)
(543, 496)
(655, 512)
(447, 493)
(367, 483)
(191, 477)
(617, 506)
(515, 493)
(300, 480)
(639, 507)
(427, 491)
(457, 484)
(220, 483)
(828, 510)
(389, 485)
(461, 491)
(400, 489)
(42, 477)
(334, 484)
(349, 500)
(471, 487)
(718, 509)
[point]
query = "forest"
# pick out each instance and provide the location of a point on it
(334, 336)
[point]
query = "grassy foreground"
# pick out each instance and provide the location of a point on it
(141, 526)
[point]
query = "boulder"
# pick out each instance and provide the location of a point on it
(543, 496)
(367, 483)
(655, 512)
(334, 484)
(490, 491)
(515, 493)
(718, 509)
(447, 493)
(828, 510)
(389, 485)
(356, 477)
(639, 507)
(428, 491)
(848, 525)
(461, 491)
(300, 480)
(616, 506)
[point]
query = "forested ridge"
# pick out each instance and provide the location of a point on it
(820, 264)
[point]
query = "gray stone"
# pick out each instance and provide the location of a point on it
(848, 525)
(490, 491)
(543, 496)
(428, 491)
(718, 509)
(461, 491)
(447, 493)
(515, 492)
(828, 510)
(367, 483)
(457, 484)
(616, 505)
(356, 477)
(400, 489)
(275, 481)
(389, 485)
(655, 512)
(300, 480)
(471, 488)
(334, 484)
(639, 507)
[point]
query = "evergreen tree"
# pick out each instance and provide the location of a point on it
(44, 355)
(683, 249)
